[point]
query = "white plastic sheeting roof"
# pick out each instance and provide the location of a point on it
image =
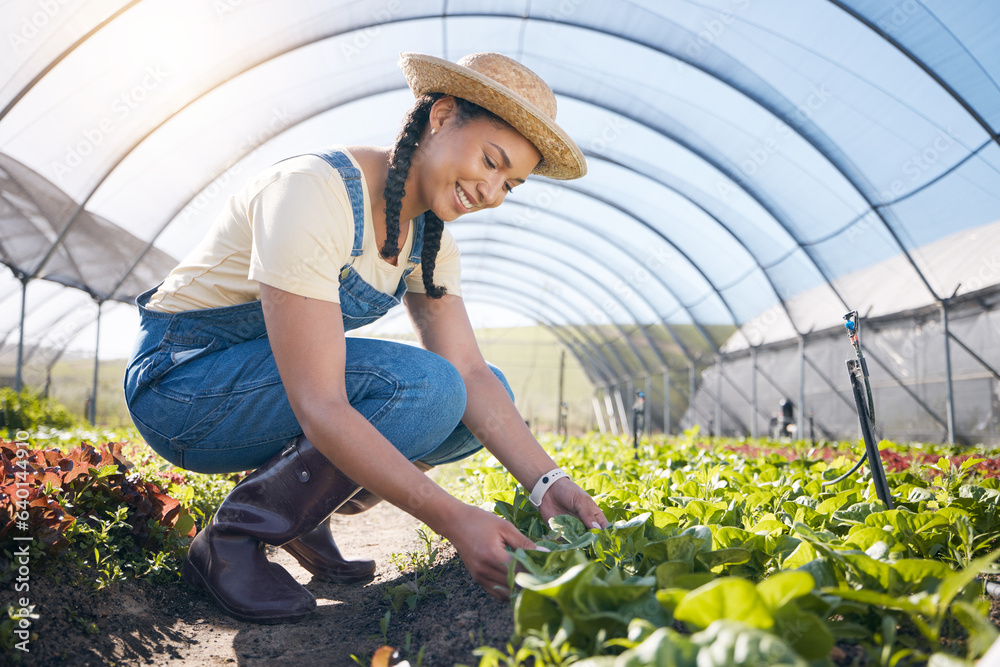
(743, 153)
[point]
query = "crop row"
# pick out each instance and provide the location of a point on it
(723, 555)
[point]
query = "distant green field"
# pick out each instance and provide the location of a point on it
(528, 356)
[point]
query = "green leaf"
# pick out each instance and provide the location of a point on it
(533, 611)
(667, 572)
(669, 598)
(495, 484)
(982, 633)
(729, 598)
(599, 484)
(714, 559)
(868, 572)
(803, 554)
(567, 527)
(703, 512)
(561, 586)
(782, 587)
(858, 512)
(727, 643)
(917, 574)
(803, 631)
(822, 571)
(865, 537)
(769, 527)
(953, 584)
(664, 648)
(184, 524)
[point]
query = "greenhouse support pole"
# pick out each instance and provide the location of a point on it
(692, 387)
(718, 396)
(559, 401)
(18, 379)
(97, 346)
(800, 423)
(626, 428)
(950, 404)
(598, 415)
(630, 389)
(648, 404)
(666, 401)
(610, 409)
(753, 392)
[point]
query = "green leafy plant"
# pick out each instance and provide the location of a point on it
(26, 410)
(418, 566)
(731, 552)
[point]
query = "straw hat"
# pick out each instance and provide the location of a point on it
(511, 91)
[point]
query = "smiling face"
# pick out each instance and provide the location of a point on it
(467, 165)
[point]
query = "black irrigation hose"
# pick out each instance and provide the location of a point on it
(864, 457)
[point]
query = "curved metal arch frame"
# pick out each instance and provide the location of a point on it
(586, 363)
(503, 223)
(645, 371)
(704, 209)
(407, 19)
(738, 183)
(899, 46)
(626, 368)
(677, 339)
(506, 242)
(712, 344)
(555, 260)
(598, 383)
(808, 137)
(607, 374)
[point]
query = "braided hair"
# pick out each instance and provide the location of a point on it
(400, 159)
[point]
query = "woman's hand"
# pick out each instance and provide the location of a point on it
(482, 540)
(565, 497)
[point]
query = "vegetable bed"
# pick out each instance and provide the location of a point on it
(727, 553)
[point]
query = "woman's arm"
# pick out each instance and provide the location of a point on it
(307, 338)
(443, 327)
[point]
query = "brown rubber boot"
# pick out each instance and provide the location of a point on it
(286, 498)
(317, 552)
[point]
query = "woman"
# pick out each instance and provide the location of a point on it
(242, 361)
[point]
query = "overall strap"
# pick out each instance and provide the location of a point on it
(418, 239)
(352, 181)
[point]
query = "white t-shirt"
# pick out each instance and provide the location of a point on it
(291, 227)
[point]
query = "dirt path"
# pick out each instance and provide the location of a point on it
(138, 623)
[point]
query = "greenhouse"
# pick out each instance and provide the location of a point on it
(757, 170)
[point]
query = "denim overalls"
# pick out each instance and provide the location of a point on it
(203, 389)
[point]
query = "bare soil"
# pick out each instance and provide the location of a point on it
(140, 623)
